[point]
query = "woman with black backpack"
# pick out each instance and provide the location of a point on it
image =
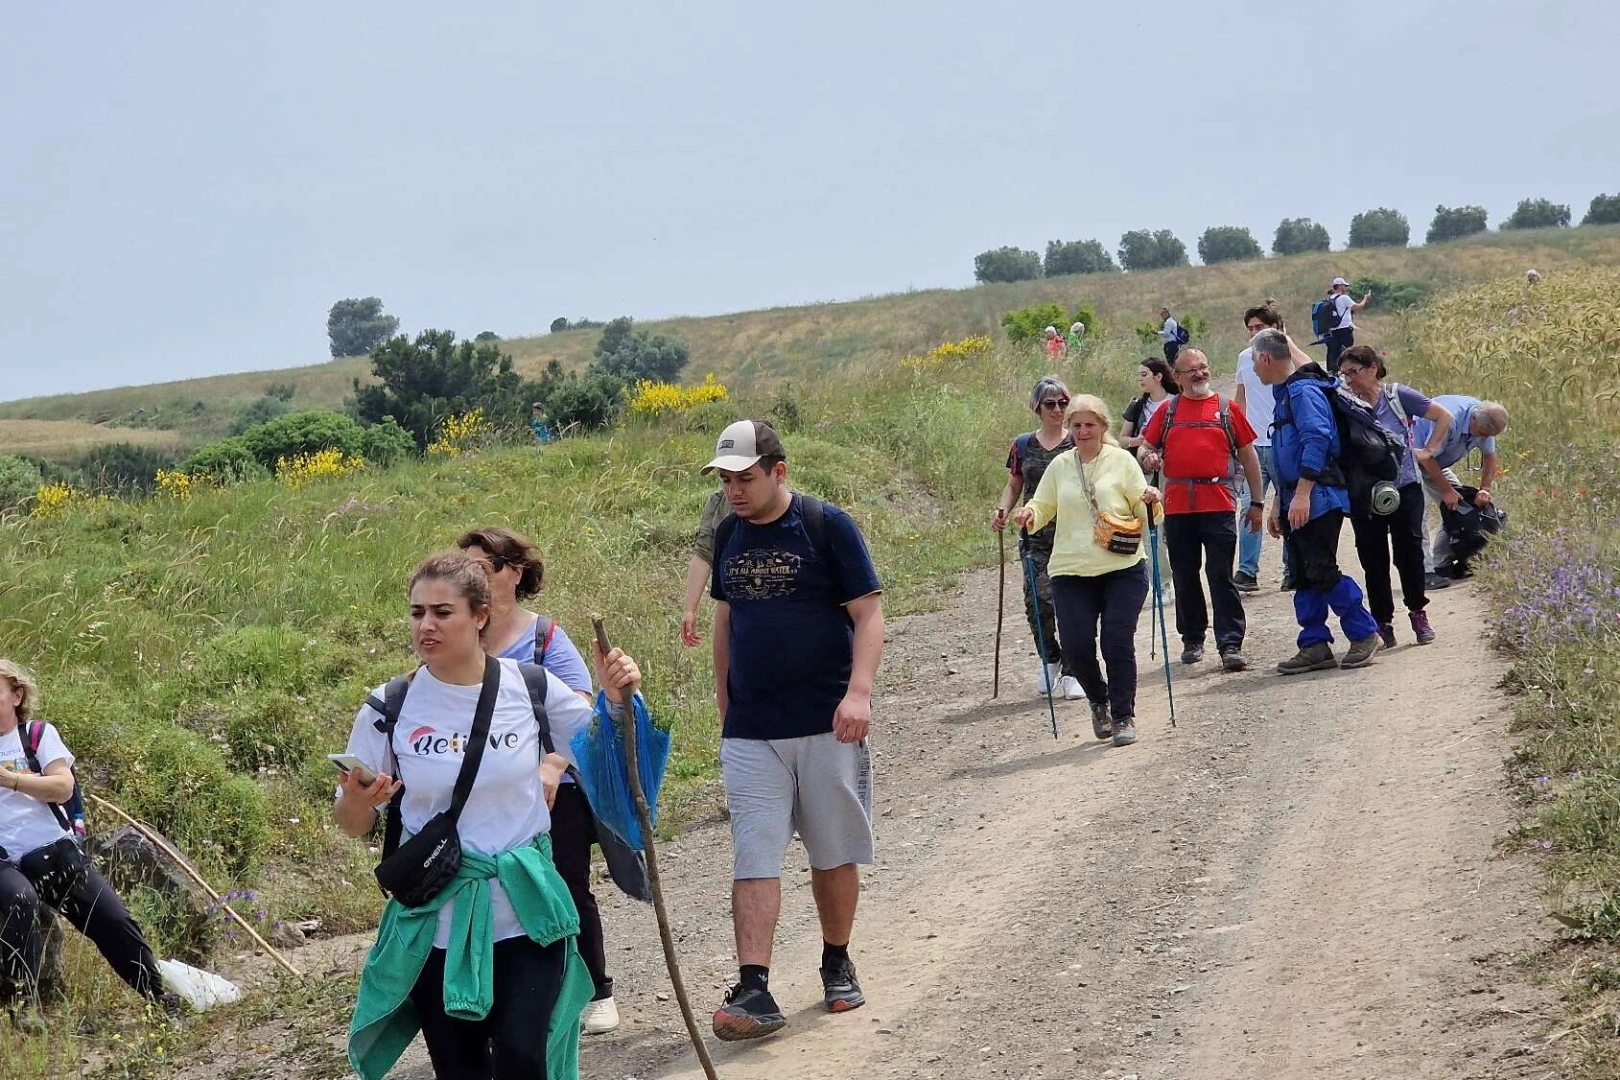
(516, 572)
(477, 947)
(40, 861)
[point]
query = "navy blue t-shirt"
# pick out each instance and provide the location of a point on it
(792, 643)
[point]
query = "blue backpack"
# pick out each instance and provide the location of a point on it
(71, 813)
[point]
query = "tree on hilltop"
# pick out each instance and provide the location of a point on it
(1006, 264)
(1605, 210)
(1227, 243)
(1295, 236)
(1140, 249)
(355, 327)
(1382, 227)
(422, 383)
(628, 354)
(1538, 214)
(1455, 222)
(1077, 257)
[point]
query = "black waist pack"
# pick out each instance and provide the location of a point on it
(418, 870)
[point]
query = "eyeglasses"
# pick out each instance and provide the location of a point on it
(496, 563)
(1055, 403)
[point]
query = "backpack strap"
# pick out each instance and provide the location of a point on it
(1169, 410)
(393, 700)
(1021, 449)
(35, 734)
(1392, 391)
(814, 514)
(544, 630)
(535, 678)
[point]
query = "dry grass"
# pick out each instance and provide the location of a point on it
(61, 440)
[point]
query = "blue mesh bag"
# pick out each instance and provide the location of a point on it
(599, 750)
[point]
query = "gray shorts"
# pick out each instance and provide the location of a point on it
(816, 785)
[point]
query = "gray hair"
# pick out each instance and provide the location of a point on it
(1493, 415)
(1271, 343)
(1048, 384)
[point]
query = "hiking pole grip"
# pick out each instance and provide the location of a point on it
(627, 732)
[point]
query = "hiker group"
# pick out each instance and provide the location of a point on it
(1186, 480)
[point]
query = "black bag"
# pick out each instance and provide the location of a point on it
(1369, 453)
(419, 869)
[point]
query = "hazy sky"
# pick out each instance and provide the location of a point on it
(185, 188)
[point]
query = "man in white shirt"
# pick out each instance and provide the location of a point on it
(1170, 334)
(1257, 401)
(1343, 334)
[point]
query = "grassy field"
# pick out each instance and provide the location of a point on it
(848, 339)
(61, 440)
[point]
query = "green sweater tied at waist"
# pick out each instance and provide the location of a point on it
(385, 1021)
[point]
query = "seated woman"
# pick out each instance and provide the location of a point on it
(487, 967)
(516, 572)
(40, 862)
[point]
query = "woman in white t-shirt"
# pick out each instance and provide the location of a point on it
(492, 977)
(40, 861)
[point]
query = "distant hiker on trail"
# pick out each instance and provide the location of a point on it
(516, 573)
(1097, 500)
(540, 424)
(1031, 454)
(1255, 399)
(1399, 533)
(798, 634)
(1311, 506)
(40, 863)
(1157, 382)
(1343, 334)
(484, 964)
(1474, 426)
(1196, 439)
(1077, 336)
(700, 566)
(1056, 347)
(1172, 333)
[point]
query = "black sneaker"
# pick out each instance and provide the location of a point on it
(1433, 581)
(1102, 724)
(1246, 582)
(1232, 660)
(748, 1013)
(1192, 654)
(1289, 583)
(839, 989)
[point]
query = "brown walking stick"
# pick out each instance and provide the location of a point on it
(627, 731)
(1001, 605)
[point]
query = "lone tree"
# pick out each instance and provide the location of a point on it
(1605, 210)
(559, 324)
(1227, 243)
(1077, 257)
(1538, 214)
(1297, 235)
(1455, 222)
(355, 327)
(421, 383)
(1382, 227)
(628, 354)
(1140, 249)
(1006, 264)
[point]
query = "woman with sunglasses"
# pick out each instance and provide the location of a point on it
(516, 573)
(1027, 461)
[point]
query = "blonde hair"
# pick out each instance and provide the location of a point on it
(1096, 406)
(19, 678)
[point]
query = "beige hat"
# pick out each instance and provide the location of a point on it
(744, 443)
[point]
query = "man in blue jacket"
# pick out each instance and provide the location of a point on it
(1311, 506)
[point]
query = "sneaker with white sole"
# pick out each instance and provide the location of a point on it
(599, 1017)
(1049, 679)
(1071, 688)
(1124, 731)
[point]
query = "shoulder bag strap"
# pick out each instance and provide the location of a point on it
(544, 630)
(482, 716)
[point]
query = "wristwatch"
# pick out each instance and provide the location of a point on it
(1257, 505)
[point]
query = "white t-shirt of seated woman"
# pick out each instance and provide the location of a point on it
(507, 806)
(26, 823)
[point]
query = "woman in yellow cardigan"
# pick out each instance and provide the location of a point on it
(1091, 584)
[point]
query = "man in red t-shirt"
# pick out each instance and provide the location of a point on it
(1196, 446)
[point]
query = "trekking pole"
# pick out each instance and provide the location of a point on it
(1040, 637)
(1001, 604)
(627, 732)
(1158, 604)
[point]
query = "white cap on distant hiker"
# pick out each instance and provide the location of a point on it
(1338, 281)
(744, 443)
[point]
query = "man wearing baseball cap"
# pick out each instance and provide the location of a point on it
(1343, 334)
(798, 634)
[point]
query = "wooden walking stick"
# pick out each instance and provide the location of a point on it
(627, 731)
(1001, 603)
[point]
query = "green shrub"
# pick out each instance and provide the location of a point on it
(1538, 214)
(589, 402)
(1393, 295)
(1455, 222)
(1141, 249)
(423, 382)
(228, 461)
(123, 467)
(1028, 324)
(283, 391)
(1605, 210)
(1077, 257)
(303, 433)
(1382, 227)
(1295, 236)
(1227, 243)
(386, 442)
(259, 411)
(629, 355)
(559, 324)
(1006, 264)
(19, 480)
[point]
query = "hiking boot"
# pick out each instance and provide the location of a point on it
(1246, 582)
(1232, 660)
(1421, 627)
(1386, 634)
(1318, 657)
(1124, 731)
(599, 1017)
(1361, 652)
(749, 1013)
(1289, 583)
(1071, 688)
(839, 989)
(1192, 654)
(1048, 681)
(1433, 581)
(1102, 724)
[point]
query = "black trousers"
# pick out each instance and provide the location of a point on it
(1398, 535)
(1337, 342)
(1113, 601)
(1171, 350)
(509, 1043)
(60, 877)
(1038, 607)
(1190, 538)
(573, 831)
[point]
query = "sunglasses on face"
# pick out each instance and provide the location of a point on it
(1055, 403)
(496, 563)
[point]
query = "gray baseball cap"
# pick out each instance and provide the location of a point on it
(744, 443)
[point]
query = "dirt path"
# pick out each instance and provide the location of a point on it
(1296, 882)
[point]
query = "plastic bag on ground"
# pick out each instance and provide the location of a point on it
(599, 751)
(201, 989)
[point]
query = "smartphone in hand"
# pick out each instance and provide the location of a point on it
(349, 763)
